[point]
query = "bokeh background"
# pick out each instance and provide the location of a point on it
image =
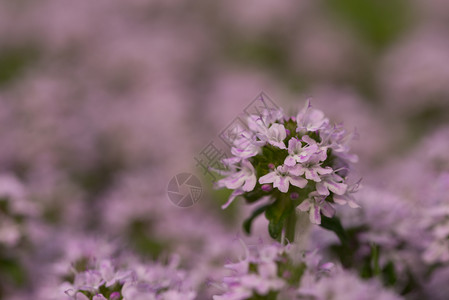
(102, 102)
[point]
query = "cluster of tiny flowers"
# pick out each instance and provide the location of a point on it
(272, 272)
(437, 223)
(342, 285)
(305, 157)
(15, 211)
(266, 271)
(255, 274)
(102, 279)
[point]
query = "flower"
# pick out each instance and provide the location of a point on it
(316, 204)
(244, 179)
(245, 145)
(312, 168)
(317, 160)
(310, 119)
(331, 182)
(261, 278)
(347, 197)
(297, 153)
(343, 284)
(281, 177)
(276, 135)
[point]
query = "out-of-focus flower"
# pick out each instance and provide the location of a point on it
(344, 285)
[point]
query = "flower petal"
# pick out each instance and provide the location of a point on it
(268, 178)
(298, 181)
(336, 187)
(231, 198)
(289, 161)
(312, 174)
(282, 184)
(250, 183)
(322, 189)
(296, 170)
(327, 209)
(304, 206)
(314, 214)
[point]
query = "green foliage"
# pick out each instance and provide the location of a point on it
(379, 22)
(249, 221)
(291, 272)
(14, 61)
(334, 224)
(272, 295)
(143, 243)
(277, 214)
(11, 271)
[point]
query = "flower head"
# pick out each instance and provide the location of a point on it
(305, 157)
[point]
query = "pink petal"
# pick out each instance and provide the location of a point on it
(235, 181)
(322, 189)
(340, 200)
(296, 170)
(298, 181)
(289, 161)
(231, 198)
(352, 204)
(292, 145)
(250, 183)
(282, 184)
(305, 205)
(328, 210)
(312, 175)
(336, 187)
(269, 178)
(314, 215)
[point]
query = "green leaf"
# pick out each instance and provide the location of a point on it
(248, 222)
(277, 213)
(389, 274)
(334, 224)
(254, 195)
(275, 229)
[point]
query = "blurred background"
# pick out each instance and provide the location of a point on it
(102, 102)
